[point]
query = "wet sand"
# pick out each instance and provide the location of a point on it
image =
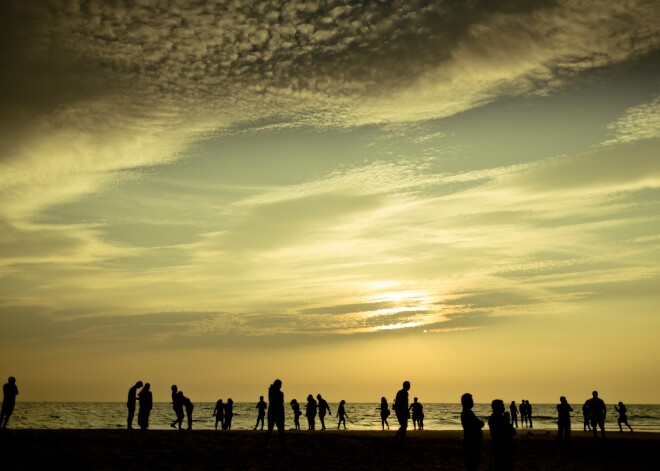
(327, 450)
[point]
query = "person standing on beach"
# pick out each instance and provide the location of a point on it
(130, 404)
(229, 414)
(310, 412)
(275, 411)
(523, 414)
(623, 417)
(472, 434)
(585, 415)
(146, 403)
(402, 413)
(514, 413)
(323, 408)
(417, 414)
(597, 414)
(9, 393)
(528, 407)
(564, 410)
(219, 413)
(384, 412)
(341, 413)
(261, 412)
(177, 406)
(296, 413)
(501, 434)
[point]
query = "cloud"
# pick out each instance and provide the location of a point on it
(638, 122)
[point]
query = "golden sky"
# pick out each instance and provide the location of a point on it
(340, 194)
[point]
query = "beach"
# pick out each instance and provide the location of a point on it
(319, 450)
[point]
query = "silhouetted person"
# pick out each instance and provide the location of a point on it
(472, 434)
(623, 417)
(130, 404)
(564, 410)
(261, 412)
(597, 413)
(401, 410)
(219, 413)
(417, 414)
(384, 412)
(323, 408)
(229, 414)
(341, 413)
(523, 414)
(310, 412)
(586, 415)
(514, 414)
(189, 406)
(276, 411)
(9, 393)
(296, 413)
(529, 413)
(177, 406)
(146, 404)
(501, 433)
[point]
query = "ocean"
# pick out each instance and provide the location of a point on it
(361, 416)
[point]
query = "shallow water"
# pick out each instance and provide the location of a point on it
(361, 416)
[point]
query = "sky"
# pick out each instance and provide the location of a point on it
(340, 194)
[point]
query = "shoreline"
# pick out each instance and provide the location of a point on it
(324, 450)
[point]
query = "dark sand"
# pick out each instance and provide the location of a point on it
(328, 450)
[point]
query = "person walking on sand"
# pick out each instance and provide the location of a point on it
(146, 404)
(514, 414)
(219, 414)
(276, 411)
(261, 412)
(417, 414)
(564, 410)
(323, 408)
(597, 414)
(402, 413)
(623, 417)
(384, 409)
(501, 433)
(9, 393)
(229, 414)
(310, 412)
(341, 413)
(472, 434)
(130, 404)
(296, 413)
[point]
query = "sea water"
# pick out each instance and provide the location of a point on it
(361, 416)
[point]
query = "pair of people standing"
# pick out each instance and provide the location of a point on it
(224, 413)
(312, 408)
(145, 398)
(179, 403)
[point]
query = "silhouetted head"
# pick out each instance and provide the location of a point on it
(318, 396)
(220, 401)
(11, 380)
(261, 398)
(277, 383)
(146, 387)
(620, 403)
(229, 401)
(310, 398)
(382, 399)
(344, 402)
(594, 394)
(180, 394)
(498, 406)
(406, 385)
(174, 388)
(467, 401)
(513, 403)
(562, 400)
(415, 400)
(139, 384)
(293, 401)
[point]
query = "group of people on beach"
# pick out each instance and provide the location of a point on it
(525, 414)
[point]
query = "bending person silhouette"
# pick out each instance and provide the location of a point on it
(296, 413)
(597, 414)
(276, 411)
(401, 410)
(146, 403)
(384, 412)
(501, 433)
(323, 408)
(564, 410)
(9, 393)
(261, 412)
(472, 434)
(177, 406)
(189, 406)
(341, 413)
(310, 412)
(130, 404)
(623, 417)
